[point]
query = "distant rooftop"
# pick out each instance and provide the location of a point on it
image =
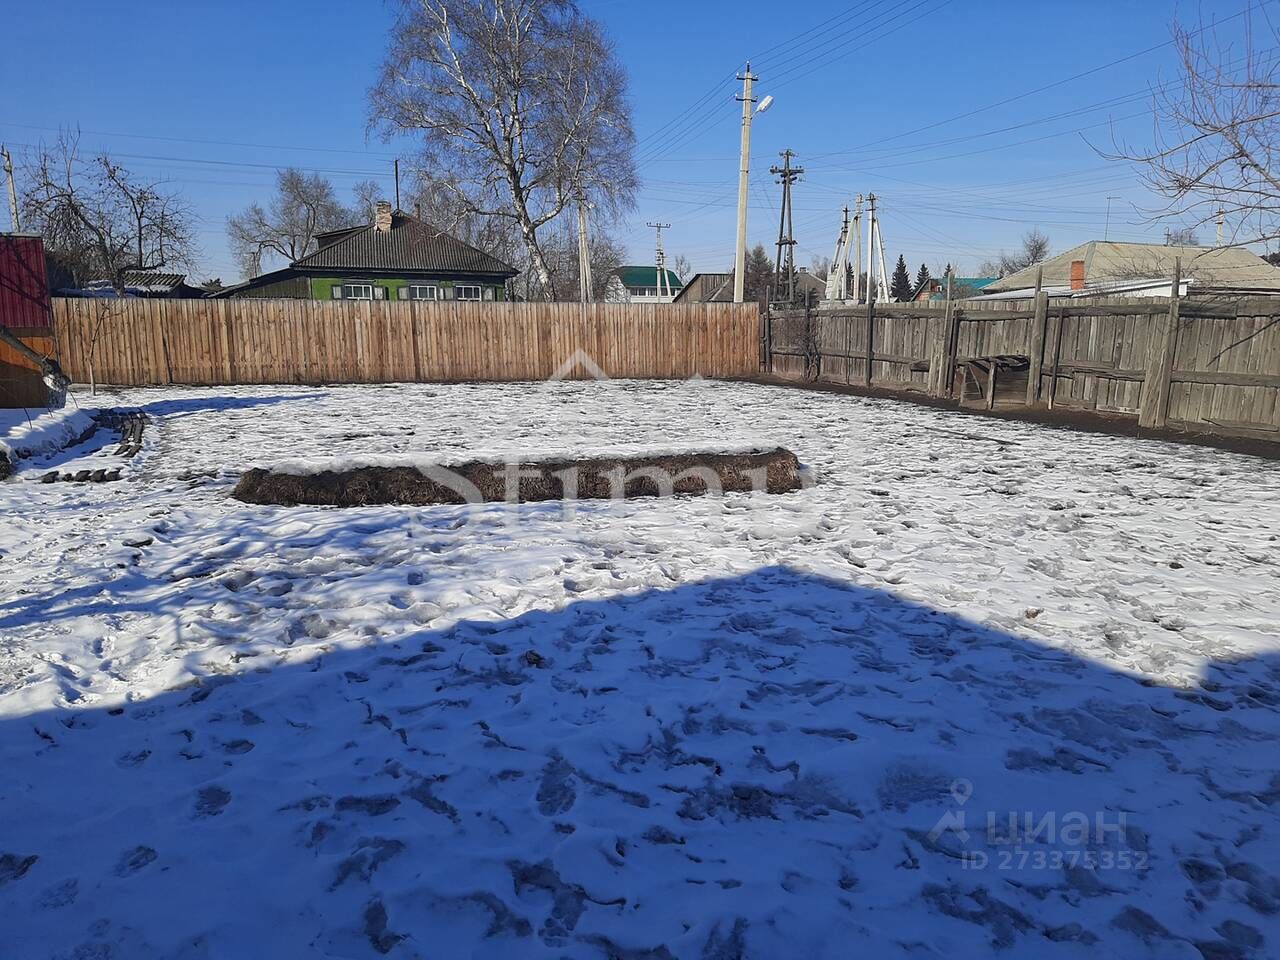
(1104, 262)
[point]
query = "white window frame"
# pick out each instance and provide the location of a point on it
(348, 291)
(415, 287)
(458, 289)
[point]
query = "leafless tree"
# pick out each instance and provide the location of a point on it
(367, 193)
(304, 205)
(820, 266)
(1181, 237)
(439, 202)
(103, 311)
(522, 101)
(560, 246)
(99, 220)
(1216, 132)
(1035, 248)
(682, 267)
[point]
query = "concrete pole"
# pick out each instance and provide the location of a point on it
(13, 193)
(857, 252)
(872, 291)
(585, 284)
(744, 179)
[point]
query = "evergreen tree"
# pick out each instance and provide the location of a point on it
(900, 285)
(922, 276)
(759, 274)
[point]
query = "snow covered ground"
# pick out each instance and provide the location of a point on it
(812, 725)
(30, 431)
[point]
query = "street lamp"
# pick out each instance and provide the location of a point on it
(744, 179)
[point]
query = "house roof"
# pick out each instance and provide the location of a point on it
(409, 246)
(151, 281)
(1211, 267)
(707, 288)
(646, 277)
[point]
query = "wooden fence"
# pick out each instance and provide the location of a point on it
(1209, 366)
(139, 342)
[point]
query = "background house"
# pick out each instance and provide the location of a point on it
(150, 284)
(640, 285)
(1102, 268)
(397, 257)
(707, 288)
(935, 288)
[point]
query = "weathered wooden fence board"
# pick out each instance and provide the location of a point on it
(206, 342)
(1091, 354)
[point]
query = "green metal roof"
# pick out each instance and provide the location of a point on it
(646, 277)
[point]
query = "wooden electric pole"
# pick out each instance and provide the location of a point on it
(786, 233)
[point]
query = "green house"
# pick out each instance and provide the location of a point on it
(397, 257)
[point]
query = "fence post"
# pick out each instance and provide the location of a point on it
(1154, 409)
(871, 326)
(950, 342)
(1036, 348)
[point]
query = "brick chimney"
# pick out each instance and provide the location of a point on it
(1077, 274)
(382, 218)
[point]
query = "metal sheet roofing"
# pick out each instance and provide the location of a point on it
(634, 277)
(409, 246)
(1218, 267)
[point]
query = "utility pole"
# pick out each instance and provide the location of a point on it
(663, 283)
(857, 251)
(586, 285)
(397, 169)
(13, 193)
(873, 288)
(838, 273)
(1106, 231)
(744, 175)
(786, 232)
(1221, 218)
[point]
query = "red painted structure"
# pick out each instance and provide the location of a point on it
(24, 285)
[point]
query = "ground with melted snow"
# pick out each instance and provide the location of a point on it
(752, 727)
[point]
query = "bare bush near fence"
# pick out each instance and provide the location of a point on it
(1216, 133)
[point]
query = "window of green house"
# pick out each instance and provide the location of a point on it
(359, 291)
(420, 291)
(466, 292)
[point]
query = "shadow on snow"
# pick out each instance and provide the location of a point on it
(765, 765)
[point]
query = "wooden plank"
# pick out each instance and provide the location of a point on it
(1154, 409)
(1036, 349)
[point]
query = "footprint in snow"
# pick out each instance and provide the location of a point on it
(374, 806)
(134, 860)
(211, 801)
(15, 867)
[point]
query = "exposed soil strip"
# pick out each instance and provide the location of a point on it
(775, 471)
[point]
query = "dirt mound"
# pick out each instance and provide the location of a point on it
(774, 471)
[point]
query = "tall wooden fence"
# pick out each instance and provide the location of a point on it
(138, 342)
(1209, 366)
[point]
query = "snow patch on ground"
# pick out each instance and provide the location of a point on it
(756, 726)
(28, 433)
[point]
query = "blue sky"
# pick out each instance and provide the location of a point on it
(928, 103)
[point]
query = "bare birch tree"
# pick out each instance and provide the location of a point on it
(1216, 132)
(522, 102)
